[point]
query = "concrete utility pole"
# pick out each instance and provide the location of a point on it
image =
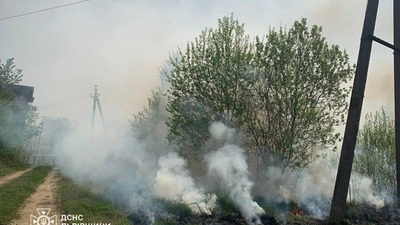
(95, 97)
(96, 102)
(353, 117)
(357, 95)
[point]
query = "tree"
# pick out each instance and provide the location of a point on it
(9, 75)
(145, 122)
(285, 92)
(375, 153)
(299, 96)
(209, 81)
(18, 121)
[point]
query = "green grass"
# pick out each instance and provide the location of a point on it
(75, 200)
(14, 193)
(225, 206)
(10, 163)
(6, 168)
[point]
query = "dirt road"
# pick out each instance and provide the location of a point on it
(45, 197)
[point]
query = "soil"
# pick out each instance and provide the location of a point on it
(44, 197)
(12, 176)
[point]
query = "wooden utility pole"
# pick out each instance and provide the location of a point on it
(396, 61)
(96, 102)
(353, 117)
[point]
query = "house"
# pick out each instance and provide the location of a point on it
(23, 93)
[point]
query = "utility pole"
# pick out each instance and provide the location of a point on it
(96, 102)
(338, 207)
(396, 62)
(95, 96)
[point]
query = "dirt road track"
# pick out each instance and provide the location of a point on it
(12, 176)
(44, 197)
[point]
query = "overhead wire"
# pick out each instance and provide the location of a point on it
(63, 102)
(43, 10)
(68, 99)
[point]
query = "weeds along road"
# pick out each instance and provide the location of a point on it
(13, 176)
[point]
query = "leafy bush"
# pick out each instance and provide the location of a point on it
(375, 155)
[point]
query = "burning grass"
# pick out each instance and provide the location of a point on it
(159, 211)
(161, 189)
(361, 213)
(290, 214)
(171, 212)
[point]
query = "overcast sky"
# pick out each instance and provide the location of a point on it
(121, 45)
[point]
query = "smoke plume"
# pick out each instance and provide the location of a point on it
(173, 182)
(312, 187)
(115, 165)
(123, 170)
(228, 164)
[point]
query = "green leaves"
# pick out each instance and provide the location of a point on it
(285, 91)
(375, 156)
(17, 120)
(300, 94)
(209, 81)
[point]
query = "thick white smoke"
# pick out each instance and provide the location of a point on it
(115, 165)
(173, 182)
(220, 132)
(228, 164)
(312, 187)
(124, 170)
(121, 168)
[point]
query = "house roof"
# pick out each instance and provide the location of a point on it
(23, 92)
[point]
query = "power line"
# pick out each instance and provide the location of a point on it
(68, 98)
(74, 95)
(43, 10)
(63, 102)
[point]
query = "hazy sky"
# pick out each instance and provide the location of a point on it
(120, 45)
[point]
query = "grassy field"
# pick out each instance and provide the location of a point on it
(10, 164)
(14, 193)
(75, 200)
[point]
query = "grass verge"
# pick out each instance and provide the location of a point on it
(10, 163)
(75, 200)
(14, 193)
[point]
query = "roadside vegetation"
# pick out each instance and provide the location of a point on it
(286, 93)
(10, 164)
(78, 200)
(376, 153)
(14, 193)
(18, 121)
